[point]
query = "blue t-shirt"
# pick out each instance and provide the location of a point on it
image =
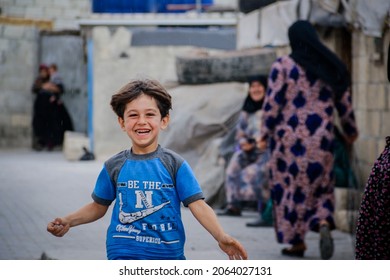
(148, 191)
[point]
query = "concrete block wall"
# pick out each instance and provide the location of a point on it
(371, 96)
(63, 14)
(18, 60)
(19, 15)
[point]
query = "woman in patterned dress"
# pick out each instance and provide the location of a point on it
(304, 90)
(245, 178)
(373, 227)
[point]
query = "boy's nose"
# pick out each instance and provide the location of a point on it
(142, 119)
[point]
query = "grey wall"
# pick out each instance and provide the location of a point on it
(215, 38)
(66, 49)
(18, 61)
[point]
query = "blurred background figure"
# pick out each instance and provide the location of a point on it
(56, 78)
(50, 116)
(304, 90)
(373, 227)
(246, 176)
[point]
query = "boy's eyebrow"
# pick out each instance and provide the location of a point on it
(147, 109)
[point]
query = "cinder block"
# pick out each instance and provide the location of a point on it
(360, 67)
(360, 44)
(346, 220)
(359, 95)
(373, 123)
(347, 208)
(387, 90)
(13, 31)
(376, 73)
(361, 121)
(340, 198)
(366, 149)
(20, 120)
(385, 124)
(376, 97)
(73, 145)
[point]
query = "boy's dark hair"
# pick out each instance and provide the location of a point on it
(134, 89)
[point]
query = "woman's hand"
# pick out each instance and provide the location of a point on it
(261, 144)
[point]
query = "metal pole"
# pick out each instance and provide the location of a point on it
(199, 6)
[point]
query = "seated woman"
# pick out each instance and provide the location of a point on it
(246, 176)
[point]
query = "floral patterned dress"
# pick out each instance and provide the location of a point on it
(373, 228)
(246, 174)
(298, 121)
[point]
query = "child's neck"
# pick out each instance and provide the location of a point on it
(144, 151)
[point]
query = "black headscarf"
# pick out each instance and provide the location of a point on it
(388, 63)
(309, 52)
(250, 105)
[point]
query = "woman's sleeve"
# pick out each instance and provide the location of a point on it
(273, 99)
(346, 114)
(240, 128)
(36, 86)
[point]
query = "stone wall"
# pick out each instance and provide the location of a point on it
(63, 14)
(18, 60)
(20, 24)
(371, 91)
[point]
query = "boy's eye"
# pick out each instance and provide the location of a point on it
(132, 115)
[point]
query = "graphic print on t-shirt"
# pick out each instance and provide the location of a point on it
(136, 207)
(128, 218)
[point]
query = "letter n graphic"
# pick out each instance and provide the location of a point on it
(144, 198)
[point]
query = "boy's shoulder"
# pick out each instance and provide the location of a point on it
(169, 152)
(162, 153)
(168, 158)
(119, 155)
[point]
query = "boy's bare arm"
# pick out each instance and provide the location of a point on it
(87, 214)
(207, 218)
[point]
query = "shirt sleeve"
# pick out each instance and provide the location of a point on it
(104, 192)
(187, 185)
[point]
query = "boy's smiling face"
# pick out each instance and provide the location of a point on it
(142, 122)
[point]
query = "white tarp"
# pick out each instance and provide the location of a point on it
(370, 16)
(269, 24)
(201, 117)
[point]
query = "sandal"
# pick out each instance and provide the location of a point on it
(295, 251)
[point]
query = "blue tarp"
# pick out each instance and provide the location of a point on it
(146, 6)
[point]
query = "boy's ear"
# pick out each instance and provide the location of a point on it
(121, 123)
(165, 121)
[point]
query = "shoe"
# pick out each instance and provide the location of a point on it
(326, 243)
(291, 252)
(230, 212)
(259, 223)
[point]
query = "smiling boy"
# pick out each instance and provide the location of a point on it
(147, 184)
